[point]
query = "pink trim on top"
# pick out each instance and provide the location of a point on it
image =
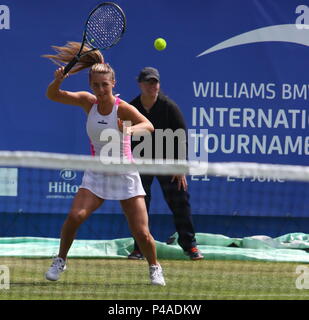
(117, 100)
(92, 151)
(126, 140)
(127, 147)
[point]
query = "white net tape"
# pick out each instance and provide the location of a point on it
(45, 160)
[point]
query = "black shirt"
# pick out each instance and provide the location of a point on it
(164, 114)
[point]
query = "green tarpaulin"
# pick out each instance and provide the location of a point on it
(293, 247)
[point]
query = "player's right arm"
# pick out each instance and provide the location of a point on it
(80, 98)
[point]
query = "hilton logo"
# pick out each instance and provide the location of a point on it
(65, 187)
(67, 174)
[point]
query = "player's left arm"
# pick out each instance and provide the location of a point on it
(138, 124)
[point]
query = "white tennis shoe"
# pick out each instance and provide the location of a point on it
(58, 265)
(156, 275)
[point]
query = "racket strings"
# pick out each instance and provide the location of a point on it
(105, 27)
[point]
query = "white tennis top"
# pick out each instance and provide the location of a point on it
(106, 139)
(104, 134)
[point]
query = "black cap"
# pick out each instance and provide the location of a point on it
(148, 73)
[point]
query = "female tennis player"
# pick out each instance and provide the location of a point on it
(105, 111)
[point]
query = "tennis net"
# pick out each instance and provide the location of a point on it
(250, 221)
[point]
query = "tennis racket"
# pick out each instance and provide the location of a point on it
(104, 27)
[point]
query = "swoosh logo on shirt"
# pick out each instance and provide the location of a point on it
(102, 122)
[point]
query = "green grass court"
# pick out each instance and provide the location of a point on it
(122, 279)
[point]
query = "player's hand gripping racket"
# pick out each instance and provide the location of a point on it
(104, 27)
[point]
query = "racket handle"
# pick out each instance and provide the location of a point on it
(70, 65)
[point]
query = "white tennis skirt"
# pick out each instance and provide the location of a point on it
(113, 186)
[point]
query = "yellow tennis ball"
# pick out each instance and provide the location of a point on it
(160, 44)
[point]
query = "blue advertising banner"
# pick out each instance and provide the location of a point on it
(237, 69)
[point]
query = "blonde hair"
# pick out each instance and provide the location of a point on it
(93, 60)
